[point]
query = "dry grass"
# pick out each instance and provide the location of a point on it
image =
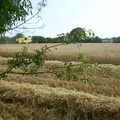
(43, 102)
(93, 79)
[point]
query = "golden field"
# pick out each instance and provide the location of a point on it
(93, 95)
(99, 52)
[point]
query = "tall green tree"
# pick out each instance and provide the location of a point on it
(19, 35)
(77, 35)
(81, 35)
(14, 11)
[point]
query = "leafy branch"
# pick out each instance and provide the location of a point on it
(28, 64)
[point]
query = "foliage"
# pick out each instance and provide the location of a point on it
(38, 39)
(96, 40)
(65, 38)
(117, 74)
(41, 39)
(24, 59)
(14, 11)
(116, 39)
(19, 35)
(68, 73)
(83, 58)
(25, 62)
(77, 35)
(30, 64)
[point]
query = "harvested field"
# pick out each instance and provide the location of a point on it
(46, 97)
(93, 95)
(46, 103)
(108, 53)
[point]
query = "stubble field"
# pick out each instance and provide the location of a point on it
(92, 95)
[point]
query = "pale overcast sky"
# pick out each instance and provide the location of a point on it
(61, 16)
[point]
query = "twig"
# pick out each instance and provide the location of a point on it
(55, 45)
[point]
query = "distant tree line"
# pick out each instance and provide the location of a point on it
(116, 39)
(41, 39)
(77, 35)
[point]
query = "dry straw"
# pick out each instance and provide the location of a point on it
(58, 103)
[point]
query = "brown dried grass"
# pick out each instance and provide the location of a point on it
(56, 103)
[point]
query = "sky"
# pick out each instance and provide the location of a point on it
(61, 16)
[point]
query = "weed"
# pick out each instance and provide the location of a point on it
(68, 73)
(117, 74)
